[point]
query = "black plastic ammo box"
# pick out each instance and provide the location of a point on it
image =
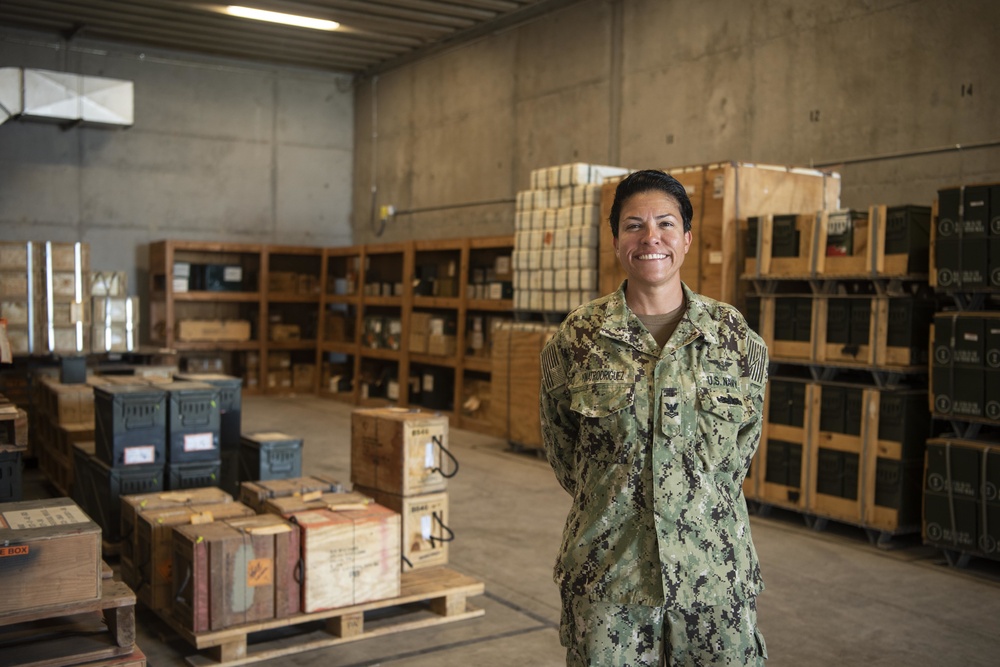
(11, 475)
(265, 456)
(110, 484)
(194, 475)
(230, 404)
(130, 423)
(193, 422)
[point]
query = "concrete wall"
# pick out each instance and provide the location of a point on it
(654, 83)
(219, 151)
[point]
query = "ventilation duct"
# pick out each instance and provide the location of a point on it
(60, 96)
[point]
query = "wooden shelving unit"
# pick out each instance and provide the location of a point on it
(168, 305)
(350, 283)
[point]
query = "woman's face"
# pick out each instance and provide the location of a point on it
(651, 242)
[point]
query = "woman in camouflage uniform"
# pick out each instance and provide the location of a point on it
(651, 412)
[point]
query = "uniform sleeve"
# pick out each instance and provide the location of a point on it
(560, 425)
(748, 438)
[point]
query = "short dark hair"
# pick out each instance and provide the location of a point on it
(644, 181)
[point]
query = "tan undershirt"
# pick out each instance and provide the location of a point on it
(662, 326)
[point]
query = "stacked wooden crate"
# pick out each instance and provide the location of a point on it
(400, 458)
(843, 297)
(13, 447)
(63, 416)
(54, 583)
(961, 505)
(516, 381)
(44, 296)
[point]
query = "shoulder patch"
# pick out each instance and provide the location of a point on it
(756, 361)
(553, 375)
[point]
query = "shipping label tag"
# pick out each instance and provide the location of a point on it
(232, 274)
(139, 455)
(260, 572)
(425, 527)
(198, 442)
(44, 517)
(429, 455)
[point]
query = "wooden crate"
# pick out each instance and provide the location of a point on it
(349, 557)
(131, 505)
(831, 506)
(287, 558)
(424, 526)
(905, 516)
(154, 551)
(427, 598)
(94, 633)
(224, 577)
(516, 381)
(722, 195)
(288, 505)
(50, 554)
(778, 349)
(765, 264)
(400, 451)
(256, 494)
(789, 496)
(866, 355)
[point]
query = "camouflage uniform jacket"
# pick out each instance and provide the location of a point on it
(654, 445)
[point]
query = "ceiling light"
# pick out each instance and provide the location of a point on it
(278, 17)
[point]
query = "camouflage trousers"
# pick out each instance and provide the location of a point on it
(605, 634)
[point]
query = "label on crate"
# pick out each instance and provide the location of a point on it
(425, 527)
(198, 442)
(139, 455)
(232, 274)
(429, 455)
(19, 550)
(44, 517)
(260, 572)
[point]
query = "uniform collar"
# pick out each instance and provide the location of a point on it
(623, 325)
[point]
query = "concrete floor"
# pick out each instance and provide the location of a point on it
(831, 598)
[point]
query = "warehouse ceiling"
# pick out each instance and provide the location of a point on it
(374, 35)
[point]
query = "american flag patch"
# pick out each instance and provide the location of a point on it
(756, 361)
(553, 375)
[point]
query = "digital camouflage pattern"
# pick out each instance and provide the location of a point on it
(654, 445)
(602, 633)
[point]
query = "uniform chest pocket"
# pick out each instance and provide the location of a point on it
(720, 415)
(607, 419)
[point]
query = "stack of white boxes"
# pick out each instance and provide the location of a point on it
(115, 316)
(557, 231)
(43, 291)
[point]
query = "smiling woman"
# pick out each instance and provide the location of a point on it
(651, 245)
(651, 408)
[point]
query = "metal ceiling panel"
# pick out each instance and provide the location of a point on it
(374, 35)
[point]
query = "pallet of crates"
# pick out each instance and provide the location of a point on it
(867, 447)
(60, 605)
(127, 455)
(961, 501)
(335, 556)
(781, 457)
(869, 331)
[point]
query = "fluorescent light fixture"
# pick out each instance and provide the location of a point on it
(278, 17)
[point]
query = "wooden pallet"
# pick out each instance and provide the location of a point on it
(71, 634)
(427, 598)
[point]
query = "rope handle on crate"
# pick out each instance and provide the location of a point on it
(183, 586)
(439, 441)
(436, 516)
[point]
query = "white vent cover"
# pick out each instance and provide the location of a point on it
(44, 94)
